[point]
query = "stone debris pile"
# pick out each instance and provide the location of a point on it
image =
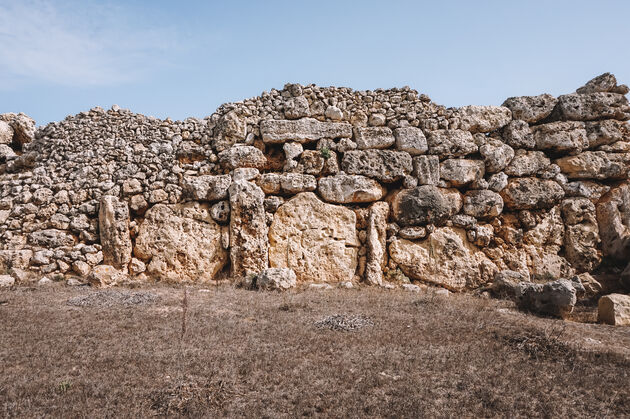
(334, 184)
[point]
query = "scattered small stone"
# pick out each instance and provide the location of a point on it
(344, 322)
(111, 298)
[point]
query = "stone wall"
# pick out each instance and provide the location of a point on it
(338, 185)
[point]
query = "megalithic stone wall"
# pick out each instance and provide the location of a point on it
(338, 185)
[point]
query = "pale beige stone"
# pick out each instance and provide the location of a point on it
(113, 221)
(446, 258)
(181, 242)
(376, 243)
(317, 240)
(614, 309)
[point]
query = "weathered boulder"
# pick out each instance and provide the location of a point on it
(106, 275)
(460, 172)
(249, 247)
(586, 189)
(317, 240)
(614, 309)
(302, 130)
(373, 137)
(531, 109)
(506, 282)
(6, 152)
(411, 140)
(242, 156)
(569, 136)
(180, 243)
(426, 204)
(427, 169)
(531, 193)
(287, 183)
(6, 133)
(6, 281)
(603, 83)
(556, 298)
(296, 108)
(384, 165)
(113, 226)
(577, 211)
(527, 163)
(280, 279)
(518, 134)
(50, 238)
(613, 219)
(483, 118)
(23, 127)
(207, 187)
(594, 165)
(446, 259)
(496, 155)
(592, 106)
(604, 132)
(347, 189)
(482, 204)
(376, 243)
(451, 143)
(581, 243)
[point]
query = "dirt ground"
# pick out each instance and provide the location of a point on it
(217, 352)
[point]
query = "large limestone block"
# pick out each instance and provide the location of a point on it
(426, 204)
(613, 219)
(51, 238)
(604, 132)
(242, 156)
(451, 143)
(569, 136)
(249, 248)
(302, 130)
(496, 155)
(6, 133)
(317, 240)
(286, 183)
(614, 309)
(592, 107)
(376, 243)
(427, 169)
(527, 163)
(350, 189)
(207, 187)
(460, 172)
(556, 298)
(446, 258)
(182, 243)
(384, 165)
(531, 193)
(411, 140)
(531, 109)
(483, 204)
(23, 127)
(594, 165)
(113, 225)
(373, 137)
(483, 118)
(581, 242)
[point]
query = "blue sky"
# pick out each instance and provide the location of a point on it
(185, 58)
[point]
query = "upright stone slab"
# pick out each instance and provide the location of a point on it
(317, 240)
(377, 243)
(249, 249)
(113, 222)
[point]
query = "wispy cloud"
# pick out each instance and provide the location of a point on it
(79, 44)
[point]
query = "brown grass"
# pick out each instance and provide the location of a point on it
(231, 352)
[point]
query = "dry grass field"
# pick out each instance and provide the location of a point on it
(79, 352)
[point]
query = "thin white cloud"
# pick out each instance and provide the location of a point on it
(80, 44)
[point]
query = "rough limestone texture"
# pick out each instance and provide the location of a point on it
(249, 247)
(330, 182)
(113, 222)
(614, 309)
(279, 279)
(317, 240)
(377, 243)
(180, 242)
(446, 259)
